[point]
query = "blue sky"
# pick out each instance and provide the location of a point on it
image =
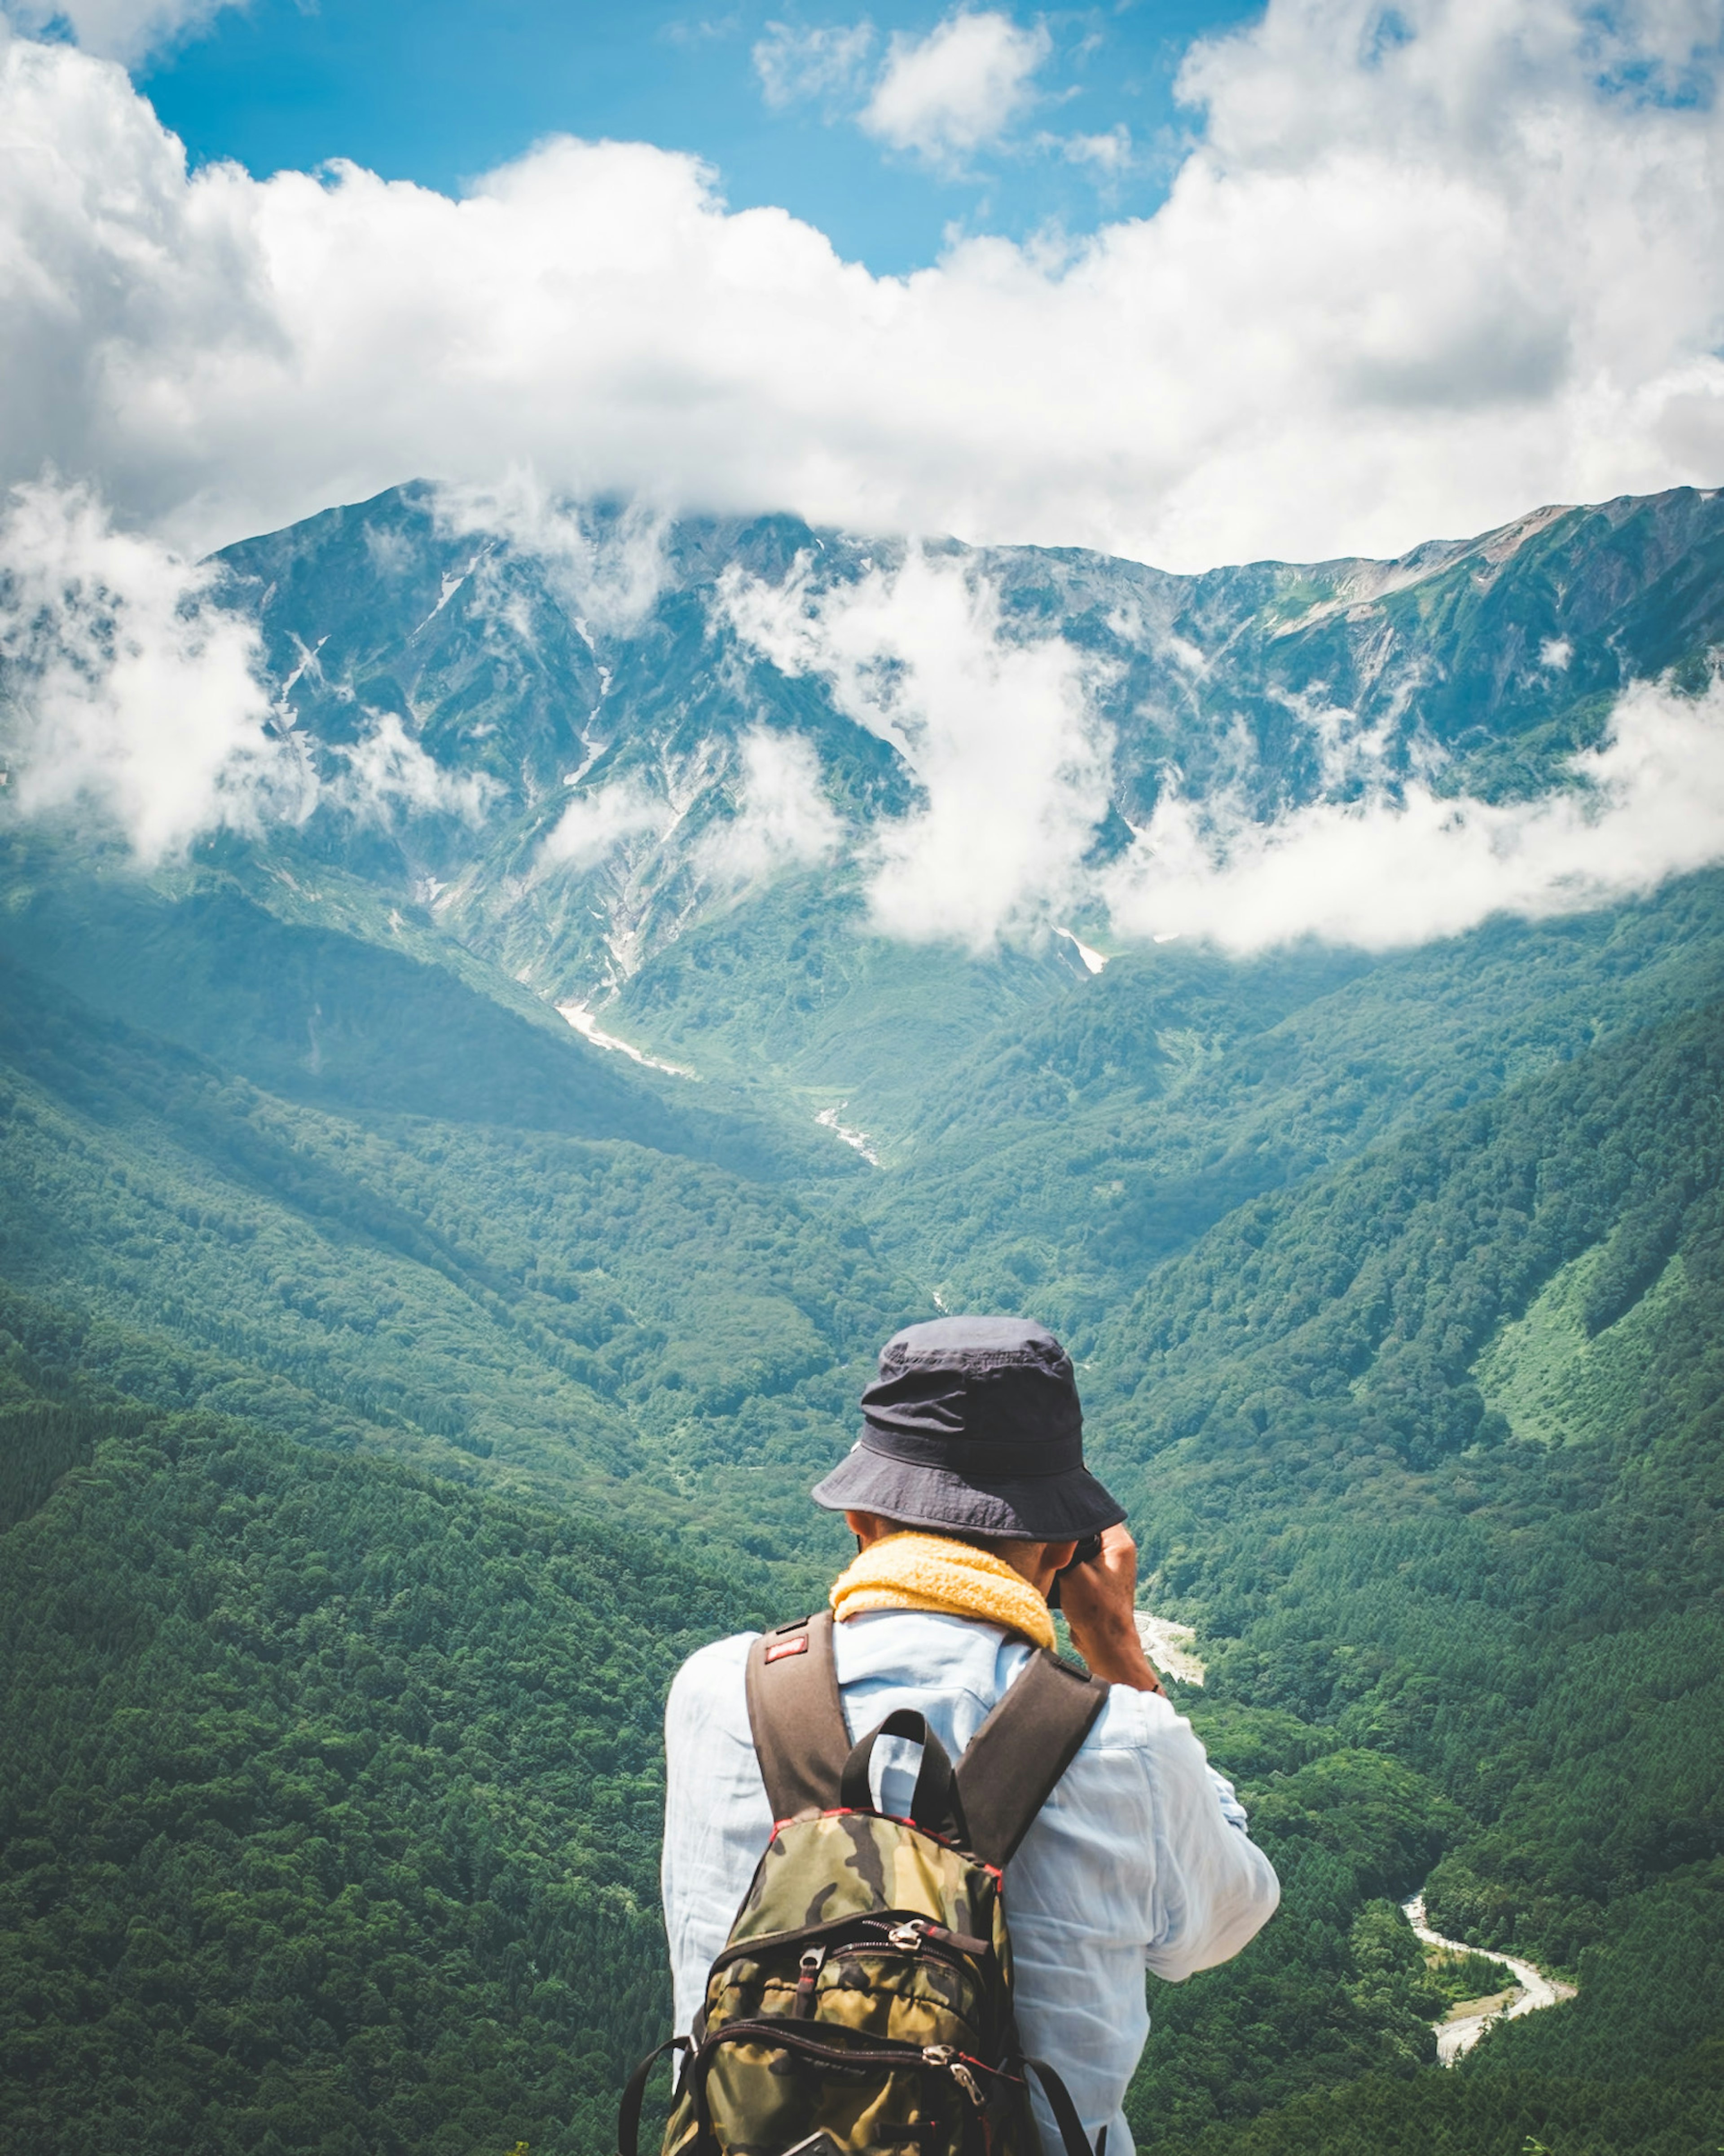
(445, 90)
(1427, 263)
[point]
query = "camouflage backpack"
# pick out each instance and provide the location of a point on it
(863, 2001)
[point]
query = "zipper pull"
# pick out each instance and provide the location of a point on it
(960, 1942)
(967, 2082)
(908, 1938)
(803, 2006)
(946, 2055)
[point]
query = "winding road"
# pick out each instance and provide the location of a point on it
(1454, 2039)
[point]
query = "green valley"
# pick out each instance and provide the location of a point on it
(396, 1380)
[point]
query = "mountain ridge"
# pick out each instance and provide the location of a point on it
(1617, 590)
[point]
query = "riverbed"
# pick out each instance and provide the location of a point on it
(1456, 2038)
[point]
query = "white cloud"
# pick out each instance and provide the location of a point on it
(956, 88)
(1648, 804)
(125, 694)
(124, 30)
(1000, 735)
(782, 819)
(129, 695)
(386, 770)
(595, 824)
(796, 64)
(607, 568)
(1398, 290)
(1108, 154)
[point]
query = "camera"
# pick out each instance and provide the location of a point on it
(1086, 1552)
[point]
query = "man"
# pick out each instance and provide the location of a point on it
(968, 1494)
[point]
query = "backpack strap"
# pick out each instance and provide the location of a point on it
(1010, 1766)
(1075, 2141)
(1007, 1773)
(796, 1717)
(629, 2116)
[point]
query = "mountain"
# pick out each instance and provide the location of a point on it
(446, 1219)
(564, 658)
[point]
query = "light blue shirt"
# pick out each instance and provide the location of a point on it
(1139, 1859)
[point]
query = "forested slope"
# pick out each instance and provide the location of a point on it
(330, 1804)
(1069, 1153)
(542, 1311)
(356, 1006)
(1535, 1627)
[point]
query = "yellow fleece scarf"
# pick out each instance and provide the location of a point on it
(954, 1579)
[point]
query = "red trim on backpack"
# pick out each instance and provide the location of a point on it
(841, 1811)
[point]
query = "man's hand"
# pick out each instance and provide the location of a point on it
(1098, 1601)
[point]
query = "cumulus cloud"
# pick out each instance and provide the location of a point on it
(386, 772)
(125, 691)
(124, 30)
(595, 824)
(783, 818)
(1109, 155)
(1001, 735)
(794, 63)
(130, 696)
(1645, 805)
(944, 94)
(1400, 288)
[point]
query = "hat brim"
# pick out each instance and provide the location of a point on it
(1032, 1508)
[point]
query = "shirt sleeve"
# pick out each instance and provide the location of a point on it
(716, 1817)
(1232, 1810)
(1215, 1889)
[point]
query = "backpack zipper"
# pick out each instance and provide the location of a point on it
(880, 2052)
(954, 2063)
(907, 1935)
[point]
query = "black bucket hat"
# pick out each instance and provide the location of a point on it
(974, 1423)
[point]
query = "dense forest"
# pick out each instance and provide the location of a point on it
(331, 1802)
(265, 1697)
(394, 1384)
(1383, 1555)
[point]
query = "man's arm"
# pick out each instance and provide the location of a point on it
(1099, 1601)
(1214, 1888)
(716, 1817)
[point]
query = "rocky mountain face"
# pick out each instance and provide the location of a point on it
(568, 735)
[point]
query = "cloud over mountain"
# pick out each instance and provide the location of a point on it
(1415, 273)
(124, 691)
(134, 695)
(1384, 874)
(999, 733)
(131, 697)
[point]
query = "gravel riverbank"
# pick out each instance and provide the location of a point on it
(1456, 2038)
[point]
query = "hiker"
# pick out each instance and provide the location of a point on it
(968, 1494)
